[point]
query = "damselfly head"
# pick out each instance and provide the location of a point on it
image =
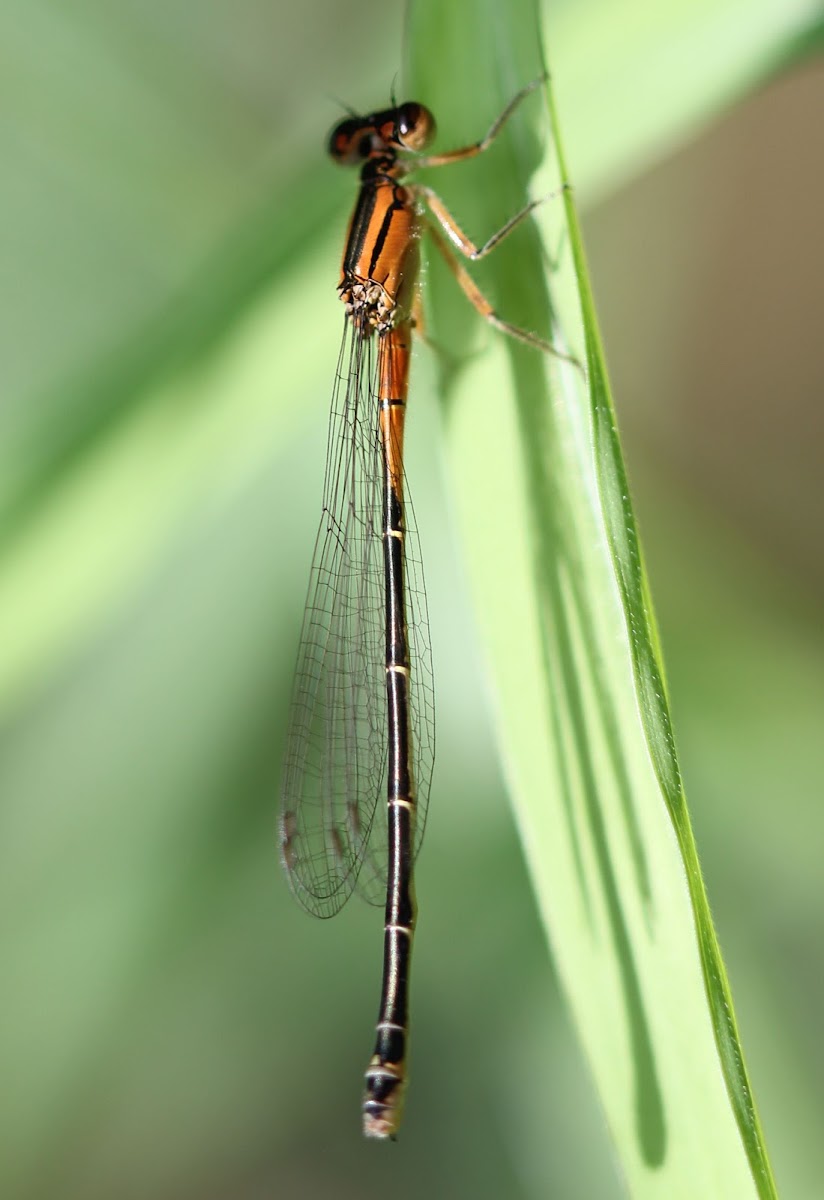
(410, 126)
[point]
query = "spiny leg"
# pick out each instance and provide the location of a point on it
(417, 315)
(483, 306)
(476, 148)
(461, 240)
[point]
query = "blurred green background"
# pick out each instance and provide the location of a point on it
(172, 1024)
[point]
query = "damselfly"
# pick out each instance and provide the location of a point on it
(362, 721)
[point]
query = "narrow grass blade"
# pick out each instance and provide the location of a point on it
(573, 656)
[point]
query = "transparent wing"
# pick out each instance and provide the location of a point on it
(333, 827)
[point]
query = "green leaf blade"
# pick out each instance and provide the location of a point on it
(574, 663)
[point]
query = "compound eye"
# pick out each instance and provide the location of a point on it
(415, 126)
(350, 142)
